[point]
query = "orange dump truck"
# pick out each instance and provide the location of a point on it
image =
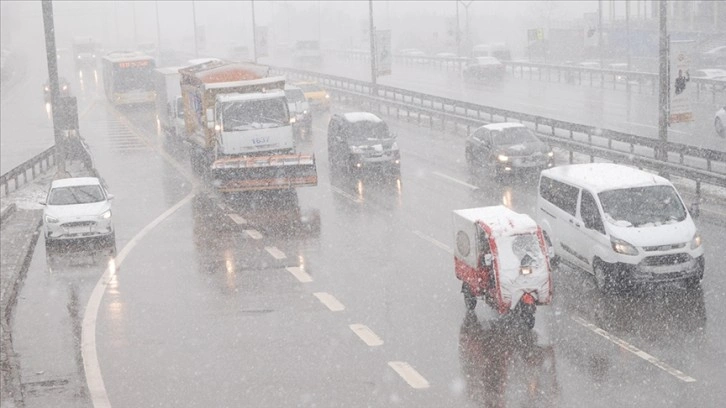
(237, 121)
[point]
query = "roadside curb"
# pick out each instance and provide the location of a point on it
(6, 212)
(15, 269)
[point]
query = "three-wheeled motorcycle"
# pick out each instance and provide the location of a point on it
(502, 257)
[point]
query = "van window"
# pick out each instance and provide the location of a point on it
(560, 194)
(642, 206)
(590, 214)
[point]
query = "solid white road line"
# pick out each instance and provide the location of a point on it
(330, 301)
(409, 374)
(638, 352)
(433, 241)
(299, 273)
(276, 253)
(366, 334)
(254, 234)
(444, 176)
(96, 387)
(237, 219)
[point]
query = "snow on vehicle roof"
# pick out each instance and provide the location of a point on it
(604, 176)
(502, 125)
(274, 83)
(500, 219)
(232, 97)
(168, 70)
(118, 56)
(75, 181)
(361, 117)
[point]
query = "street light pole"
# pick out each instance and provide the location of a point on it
(466, 5)
(664, 89)
(194, 17)
(158, 34)
(51, 56)
(254, 33)
(373, 46)
(458, 32)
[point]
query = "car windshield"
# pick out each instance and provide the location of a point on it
(512, 249)
(255, 114)
(642, 206)
(366, 130)
(75, 195)
(513, 136)
(294, 95)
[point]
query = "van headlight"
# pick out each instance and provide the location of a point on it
(503, 158)
(50, 220)
(106, 215)
(623, 247)
(696, 241)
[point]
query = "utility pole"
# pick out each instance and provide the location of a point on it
(373, 46)
(254, 34)
(467, 41)
(599, 33)
(52, 58)
(194, 17)
(458, 32)
(158, 34)
(136, 34)
(627, 41)
(664, 89)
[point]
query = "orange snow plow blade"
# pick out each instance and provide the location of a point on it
(264, 172)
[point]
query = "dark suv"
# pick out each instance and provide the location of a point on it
(362, 140)
(506, 148)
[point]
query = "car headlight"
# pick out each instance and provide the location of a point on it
(327, 96)
(106, 215)
(623, 247)
(47, 89)
(292, 120)
(503, 158)
(696, 241)
(65, 87)
(550, 154)
(305, 112)
(51, 220)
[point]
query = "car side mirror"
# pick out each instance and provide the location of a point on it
(110, 197)
(42, 202)
(695, 209)
(488, 259)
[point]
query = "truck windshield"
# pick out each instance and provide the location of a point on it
(87, 48)
(294, 95)
(255, 114)
(642, 206)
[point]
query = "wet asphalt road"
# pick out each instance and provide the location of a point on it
(220, 303)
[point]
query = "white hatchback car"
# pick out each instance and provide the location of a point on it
(78, 208)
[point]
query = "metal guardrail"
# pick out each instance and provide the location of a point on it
(642, 82)
(42, 162)
(686, 161)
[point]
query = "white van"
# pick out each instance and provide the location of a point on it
(623, 225)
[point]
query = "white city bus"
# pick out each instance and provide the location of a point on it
(128, 78)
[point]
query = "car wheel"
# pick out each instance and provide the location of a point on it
(602, 276)
(469, 298)
(720, 130)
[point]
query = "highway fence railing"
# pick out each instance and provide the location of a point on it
(690, 162)
(709, 90)
(27, 171)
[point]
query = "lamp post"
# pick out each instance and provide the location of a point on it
(373, 46)
(254, 33)
(194, 17)
(51, 56)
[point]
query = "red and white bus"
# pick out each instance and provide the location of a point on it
(128, 78)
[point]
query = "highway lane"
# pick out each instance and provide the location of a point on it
(602, 107)
(201, 315)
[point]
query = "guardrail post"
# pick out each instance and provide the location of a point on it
(572, 157)
(696, 205)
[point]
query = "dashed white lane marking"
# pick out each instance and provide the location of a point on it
(409, 374)
(237, 219)
(444, 176)
(346, 195)
(299, 273)
(638, 352)
(254, 234)
(330, 301)
(366, 334)
(433, 241)
(276, 253)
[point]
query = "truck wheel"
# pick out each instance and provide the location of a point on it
(469, 298)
